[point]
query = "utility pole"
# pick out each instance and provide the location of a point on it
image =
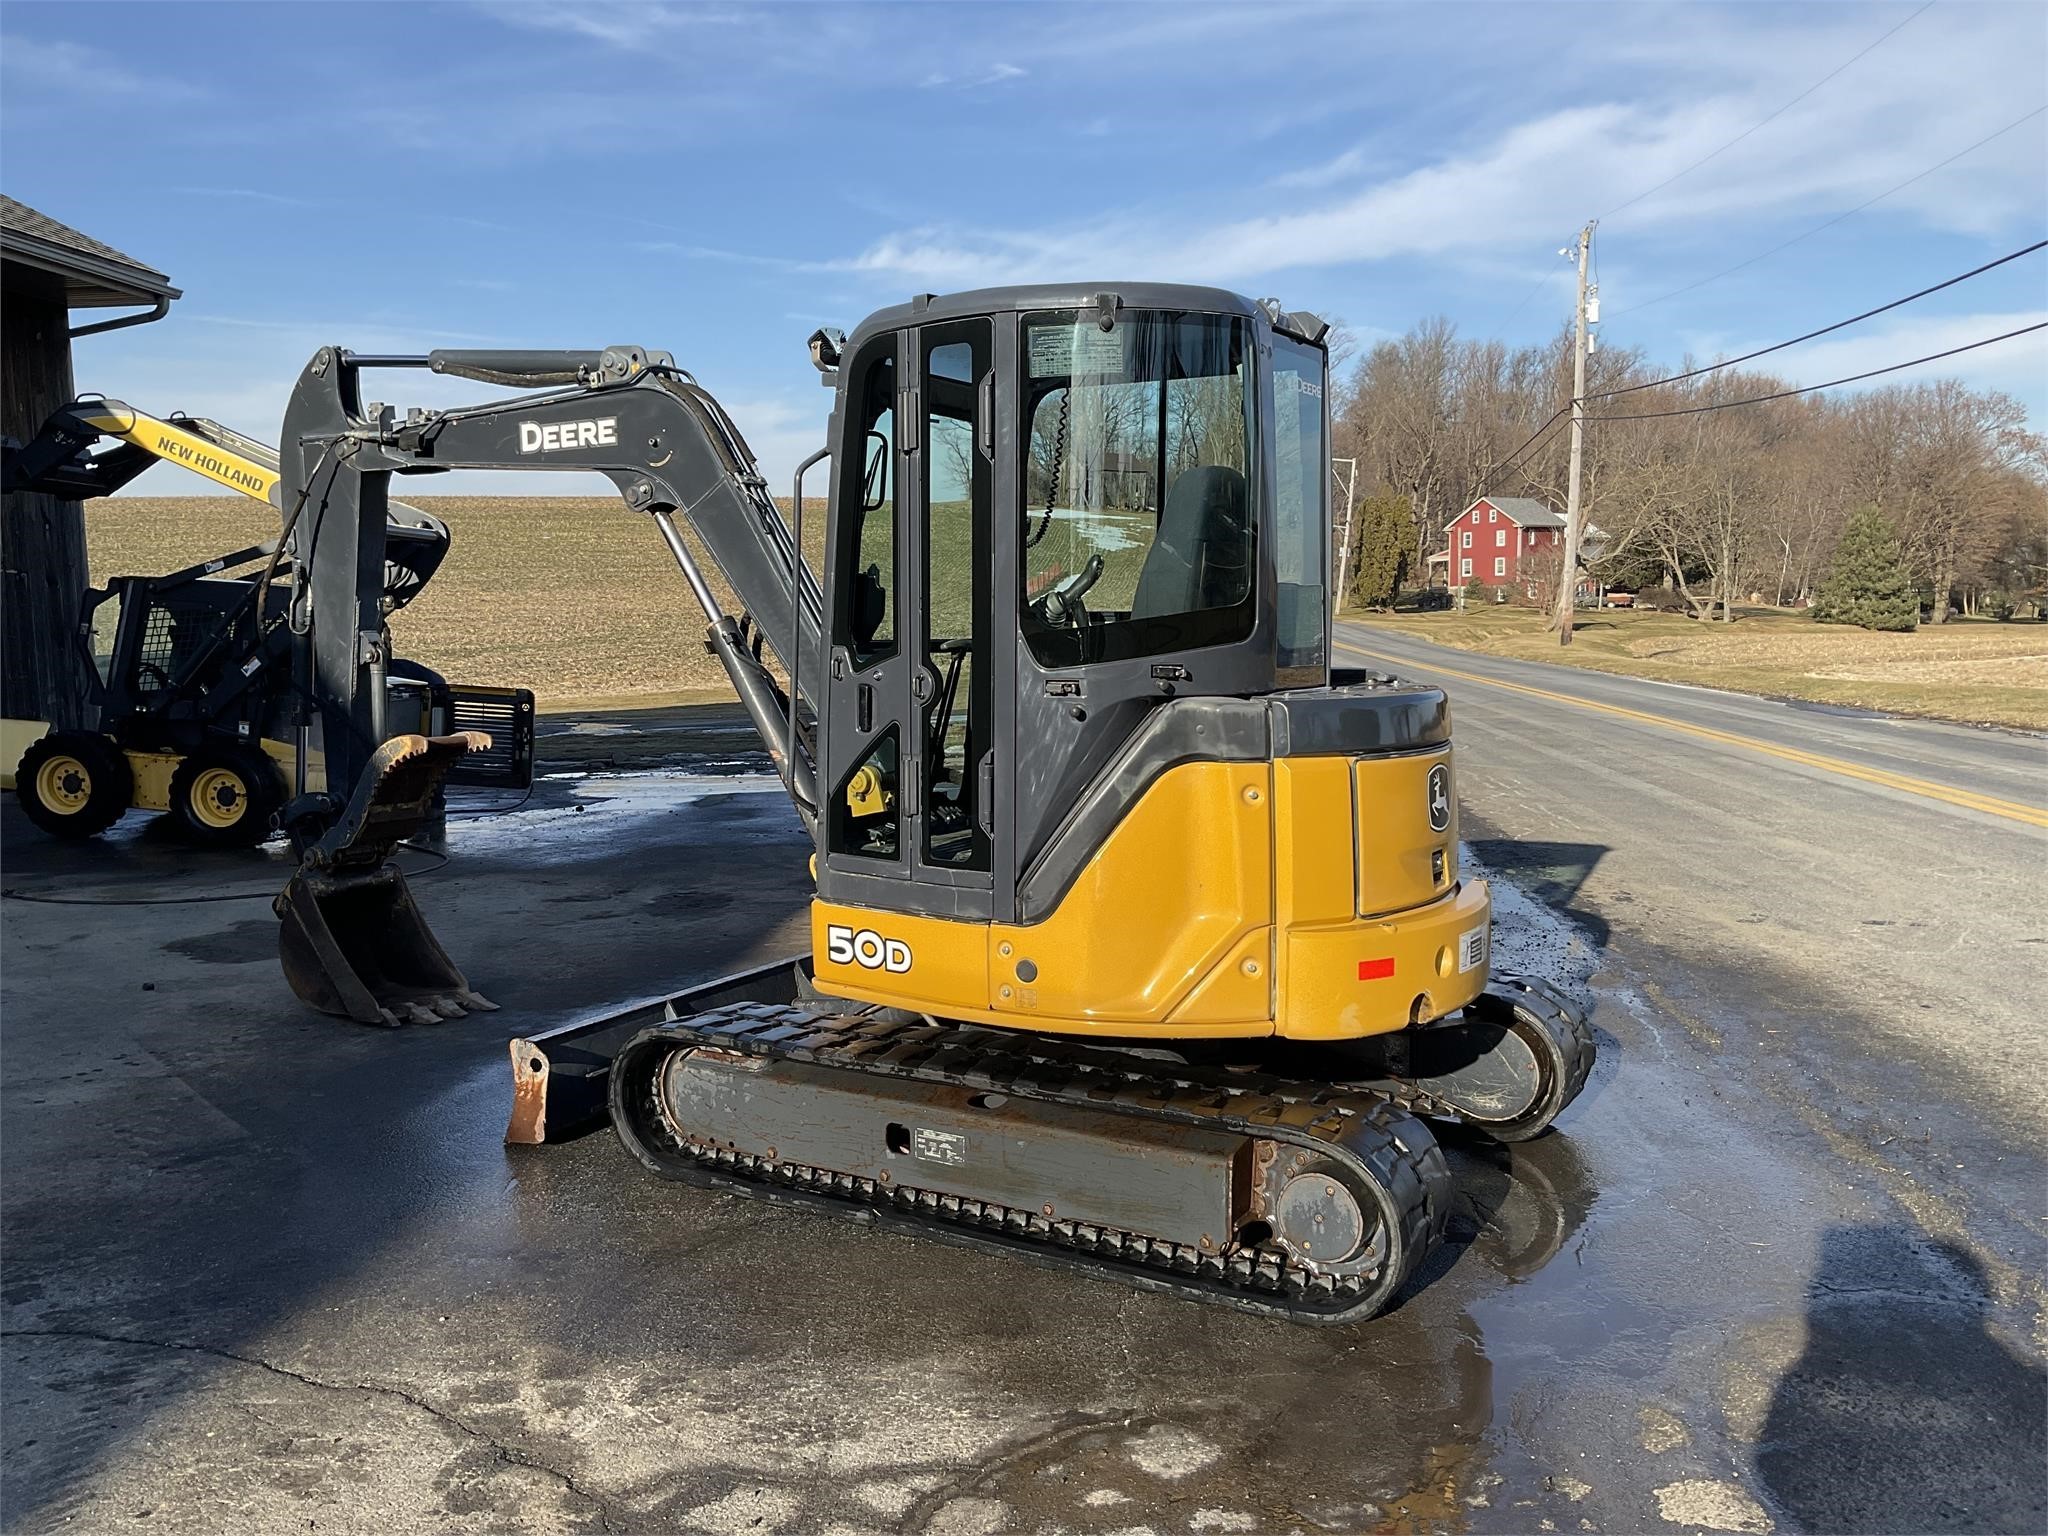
(1344, 546)
(1568, 586)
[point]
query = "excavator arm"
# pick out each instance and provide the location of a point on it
(352, 941)
(625, 413)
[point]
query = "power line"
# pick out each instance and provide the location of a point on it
(1548, 422)
(1823, 80)
(1807, 389)
(1838, 218)
(1523, 303)
(1679, 378)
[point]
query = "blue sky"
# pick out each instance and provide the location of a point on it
(719, 180)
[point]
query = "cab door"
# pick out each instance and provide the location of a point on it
(867, 737)
(910, 821)
(950, 422)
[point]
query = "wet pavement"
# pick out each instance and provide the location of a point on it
(264, 1271)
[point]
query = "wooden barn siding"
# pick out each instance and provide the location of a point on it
(42, 539)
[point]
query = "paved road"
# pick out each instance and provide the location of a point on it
(1854, 907)
(261, 1271)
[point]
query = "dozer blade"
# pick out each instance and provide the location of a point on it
(352, 941)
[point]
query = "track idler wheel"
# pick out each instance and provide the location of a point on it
(1508, 1065)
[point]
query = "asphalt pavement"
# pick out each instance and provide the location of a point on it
(1778, 1268)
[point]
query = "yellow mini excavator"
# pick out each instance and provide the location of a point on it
(1140, 941)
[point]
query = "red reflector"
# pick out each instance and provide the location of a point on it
(1376, 970)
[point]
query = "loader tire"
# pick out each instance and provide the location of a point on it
(74, 784)
(225, 797)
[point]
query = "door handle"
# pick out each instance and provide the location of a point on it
(864, 708)
(985, 794)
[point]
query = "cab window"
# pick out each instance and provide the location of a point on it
(1138, 529)
(866, 622)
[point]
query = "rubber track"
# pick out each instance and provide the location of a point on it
(1374, 1136)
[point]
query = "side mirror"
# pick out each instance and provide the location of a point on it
(875, 481)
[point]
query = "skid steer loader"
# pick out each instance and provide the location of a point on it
(191, 674)
(1140, 941)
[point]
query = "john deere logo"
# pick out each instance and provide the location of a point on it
(1439, 798)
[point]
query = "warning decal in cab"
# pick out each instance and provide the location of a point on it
(938, 1146)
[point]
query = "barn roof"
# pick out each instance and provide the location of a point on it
(1522, 511)
(93, 275)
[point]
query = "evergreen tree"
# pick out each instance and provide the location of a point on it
(1385, 536)
(1868, 583)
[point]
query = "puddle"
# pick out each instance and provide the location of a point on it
(597, 809)
(249, 942)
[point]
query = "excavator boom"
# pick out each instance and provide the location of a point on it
(352, 941)
(624, 413)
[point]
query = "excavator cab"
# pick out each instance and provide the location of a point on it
(1083, 756)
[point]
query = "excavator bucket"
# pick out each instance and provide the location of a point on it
(352, 941)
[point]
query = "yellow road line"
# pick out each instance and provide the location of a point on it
(2011, 810)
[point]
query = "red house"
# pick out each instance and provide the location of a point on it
(1493, 539)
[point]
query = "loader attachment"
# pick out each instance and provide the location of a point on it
(352, 941)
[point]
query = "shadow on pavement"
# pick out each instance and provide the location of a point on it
(1904, 1414)
(1552, 873)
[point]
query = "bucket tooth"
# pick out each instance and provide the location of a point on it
(351, 939)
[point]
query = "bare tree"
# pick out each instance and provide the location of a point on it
(1732, 503)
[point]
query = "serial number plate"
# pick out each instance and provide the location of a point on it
(938, 1146)
(1471, 949)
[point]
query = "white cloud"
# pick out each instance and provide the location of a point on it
(2019, 365)
(1533, 180)
(617, 23)
(995, 74)
(248, 195)
(1339, 168)
(78, 70)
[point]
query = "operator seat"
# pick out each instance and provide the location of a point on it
(1200, 557)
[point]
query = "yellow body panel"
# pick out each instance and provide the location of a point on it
(187, 450)
(1315, 870)
(281, 753)
(948, 972)
(1396, 844)
(1330, 995)
(16, 737)
(152, 771)
(1225, 903)
(1177, 891)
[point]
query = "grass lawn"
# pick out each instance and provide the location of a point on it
(1978, 672)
